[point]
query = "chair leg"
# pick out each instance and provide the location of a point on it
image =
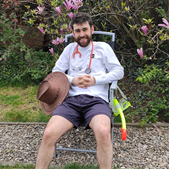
(71, 149)
(55, 153)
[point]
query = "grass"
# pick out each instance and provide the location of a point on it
(69, 166)
(18, 104)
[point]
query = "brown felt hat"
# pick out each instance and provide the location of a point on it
(52, 91)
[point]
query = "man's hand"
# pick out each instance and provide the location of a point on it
(84, 81)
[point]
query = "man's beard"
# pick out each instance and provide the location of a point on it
(84, 44)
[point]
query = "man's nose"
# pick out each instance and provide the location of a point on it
(81, 34)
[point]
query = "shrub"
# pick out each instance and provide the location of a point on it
(18, 70)
(11, 35)
(156, 96)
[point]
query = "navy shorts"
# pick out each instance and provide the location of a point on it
(81, 109)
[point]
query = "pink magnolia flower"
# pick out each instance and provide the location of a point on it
(61, 30)
(76, 7)
(52, 51)
(60, 40)
(4, 58)
(55, 42)
(140, 52)
(166, 25)
(41, 29)
(70, 15)
(58, 10)
(68, 4)
(144, 28)
(68, 28)
(40, 9)
(78, 2)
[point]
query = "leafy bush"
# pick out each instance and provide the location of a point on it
(156, 96)
(18, 70)
(11, 35)
(38, 66)
(18, 63)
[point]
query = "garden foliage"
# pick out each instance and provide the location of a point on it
(142, 34)
(18, 63)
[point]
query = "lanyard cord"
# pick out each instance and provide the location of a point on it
(80, 54)
(91, 55)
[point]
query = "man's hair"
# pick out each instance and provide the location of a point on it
(80, 18)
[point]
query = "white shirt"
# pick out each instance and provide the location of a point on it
(105, 68)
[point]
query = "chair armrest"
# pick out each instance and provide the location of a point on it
(113, 85)
(111, 95)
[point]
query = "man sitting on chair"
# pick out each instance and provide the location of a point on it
(91, 67)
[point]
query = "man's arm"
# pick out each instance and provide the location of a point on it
(62, 64)
(113, 66)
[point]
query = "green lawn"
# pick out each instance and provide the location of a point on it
(18, 104)
(71, 166)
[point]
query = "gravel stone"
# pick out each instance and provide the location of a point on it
(146, 147)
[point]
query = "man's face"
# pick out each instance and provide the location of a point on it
(83, 33)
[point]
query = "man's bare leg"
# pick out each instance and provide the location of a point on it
(56, 127)
(101, 126)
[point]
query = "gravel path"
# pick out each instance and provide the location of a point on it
(144, 147)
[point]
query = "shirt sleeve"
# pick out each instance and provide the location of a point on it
(62, 64)
(114, 69)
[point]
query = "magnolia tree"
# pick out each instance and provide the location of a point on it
(152, 38)
(152, 42)
(125, 18)
(50, 17)
(156, 74)
(53, 18)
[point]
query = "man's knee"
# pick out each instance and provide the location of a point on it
(101, 126)
(49, 136)
(103, 134)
